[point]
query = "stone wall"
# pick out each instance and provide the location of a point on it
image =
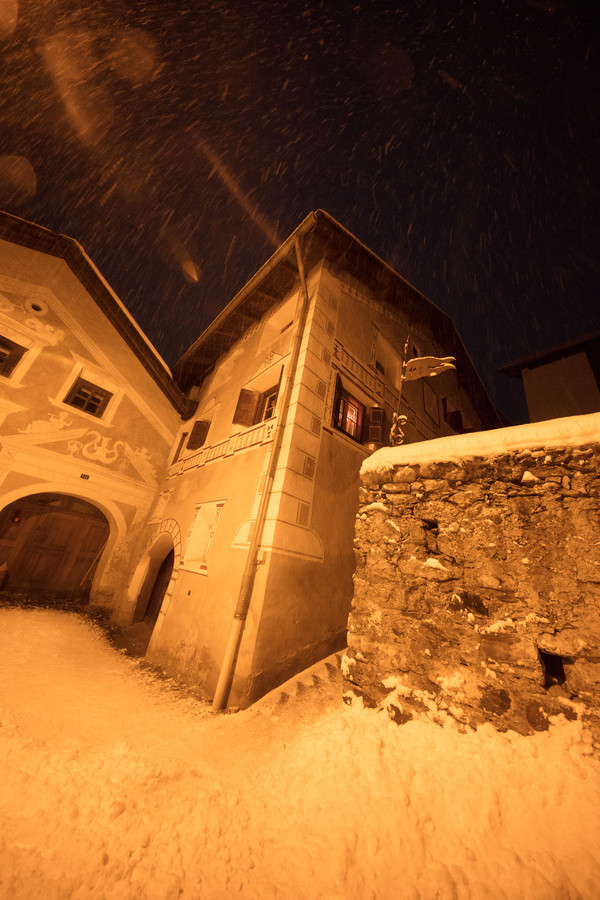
(477, 589)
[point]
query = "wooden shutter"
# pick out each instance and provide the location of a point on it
(179, 447)
(337, 402)
(246, 409)
(376, 430)
(198, 434)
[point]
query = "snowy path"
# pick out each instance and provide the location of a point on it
(115, 787)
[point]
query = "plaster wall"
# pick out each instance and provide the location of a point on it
(191, 634)
(301, 598)
(565, 387)
(309, 579)
(477, 587)
(116, 461)
(373, 334)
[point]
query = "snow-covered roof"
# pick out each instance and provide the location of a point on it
(569, 431)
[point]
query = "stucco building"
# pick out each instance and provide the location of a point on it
(236, 540)
(561, 381)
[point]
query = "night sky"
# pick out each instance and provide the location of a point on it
(179, 142)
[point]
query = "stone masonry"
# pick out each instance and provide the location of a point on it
(477, 590)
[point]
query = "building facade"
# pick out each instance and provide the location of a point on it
(88, 416)
(239, 552)
(561, 381)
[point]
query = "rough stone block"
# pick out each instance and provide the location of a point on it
(495, 585)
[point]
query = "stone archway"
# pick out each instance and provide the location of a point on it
(51, 544)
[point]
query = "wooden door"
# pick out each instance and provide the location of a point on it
(50, 543)
(161, 583)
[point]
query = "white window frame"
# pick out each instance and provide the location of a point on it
(201, 535)
(96, 377)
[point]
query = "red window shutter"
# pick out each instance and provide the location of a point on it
(198, 434)
(247, 405)
(376, 425)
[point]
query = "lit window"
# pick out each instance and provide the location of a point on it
(88, 397)
(348, 413)
(10, 354)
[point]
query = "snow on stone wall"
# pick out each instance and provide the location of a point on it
(477, 588)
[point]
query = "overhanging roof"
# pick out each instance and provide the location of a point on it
(35, 237)
(323, 238)
(589, 342)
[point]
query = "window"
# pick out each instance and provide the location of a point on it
(10, 354)
(88, 397)
(377, 432)
(268, 403)
(253, 407)
(198, 434)
(348, 412)
(201, 536)
(452, 417)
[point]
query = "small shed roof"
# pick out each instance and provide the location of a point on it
(588, 343)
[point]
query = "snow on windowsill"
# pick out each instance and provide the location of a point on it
(568, 431)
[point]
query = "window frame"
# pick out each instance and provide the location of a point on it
(252, 406)
(83, 384)
(342, 403)
(14, 354)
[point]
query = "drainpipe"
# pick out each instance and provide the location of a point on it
(247, 584)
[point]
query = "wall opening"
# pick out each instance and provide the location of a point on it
(50, 545)
(553, 668)
(158, 590)
(151, 580)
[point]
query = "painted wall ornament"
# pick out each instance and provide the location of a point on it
(43, 426)
(97, 448)
(48, 333)
(6, 305)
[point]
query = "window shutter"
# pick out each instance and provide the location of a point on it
(337, 402)
(198, 434)
(247, 405)
(179, 447)
(376, 430)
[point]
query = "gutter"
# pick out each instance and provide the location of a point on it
(247, 584)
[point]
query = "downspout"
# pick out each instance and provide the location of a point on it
(247, 584)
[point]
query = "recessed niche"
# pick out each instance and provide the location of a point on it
(553, 668)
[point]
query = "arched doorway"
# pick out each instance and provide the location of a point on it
(50, 544)
(157, 593)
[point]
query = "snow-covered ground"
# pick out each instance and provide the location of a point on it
(114, 786)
